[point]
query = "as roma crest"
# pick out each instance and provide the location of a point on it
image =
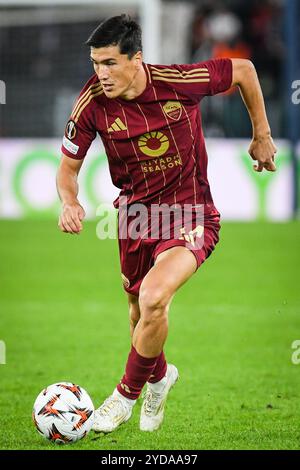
(173, 109)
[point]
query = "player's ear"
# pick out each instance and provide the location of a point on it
(138, 58)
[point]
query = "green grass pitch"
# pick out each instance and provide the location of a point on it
(64, 318)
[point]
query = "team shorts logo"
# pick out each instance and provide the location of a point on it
(70, 130)
(192, 235)
(126, 282)
(154, 144)
(173, 109)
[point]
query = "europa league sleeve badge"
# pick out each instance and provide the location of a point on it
(70, 131)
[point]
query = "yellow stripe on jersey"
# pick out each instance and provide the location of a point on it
(86, 102)
(182, 80)
(175, 75)
(199, 75)
(148, 72)
(84, 96)
(184, 72)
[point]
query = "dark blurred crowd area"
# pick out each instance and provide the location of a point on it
(242, 29)
(45, 65)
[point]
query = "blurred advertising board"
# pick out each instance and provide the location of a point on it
(28, 168)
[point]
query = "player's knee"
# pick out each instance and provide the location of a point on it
(154, 299)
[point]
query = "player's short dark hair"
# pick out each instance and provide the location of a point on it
(118, 30)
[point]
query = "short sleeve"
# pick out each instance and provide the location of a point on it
(80, 130)
(77, 139)
(220, 75)
(194, 81)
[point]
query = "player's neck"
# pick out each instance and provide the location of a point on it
(137, 86)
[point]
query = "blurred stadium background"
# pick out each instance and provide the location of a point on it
(44, 63)
(55, 289)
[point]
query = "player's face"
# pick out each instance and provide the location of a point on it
(116, 72)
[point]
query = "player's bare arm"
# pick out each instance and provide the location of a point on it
(72, 214)
(262, 148)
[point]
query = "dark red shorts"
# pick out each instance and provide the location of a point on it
(138, 253)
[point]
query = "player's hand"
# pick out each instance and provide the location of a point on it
(262, 149)
(70, 219)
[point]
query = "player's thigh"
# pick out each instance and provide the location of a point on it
(171, 270)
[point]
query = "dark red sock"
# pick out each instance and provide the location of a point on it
(160, 369)
(137, 372)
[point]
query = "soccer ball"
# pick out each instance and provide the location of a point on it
(63, 413)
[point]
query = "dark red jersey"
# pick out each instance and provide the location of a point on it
(154, 143)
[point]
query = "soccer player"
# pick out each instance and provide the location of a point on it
(149, 121)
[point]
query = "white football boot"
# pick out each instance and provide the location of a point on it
(152, 412)
(115, 410)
